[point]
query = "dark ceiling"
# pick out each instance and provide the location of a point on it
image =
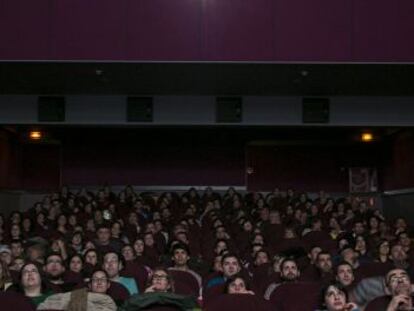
(206, 78)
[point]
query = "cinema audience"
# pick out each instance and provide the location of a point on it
(234, 251)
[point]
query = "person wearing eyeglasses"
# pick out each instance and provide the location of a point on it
(99, 282)
(160, 294)
(160, 282)
(399, 285)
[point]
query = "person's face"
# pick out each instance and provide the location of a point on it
(149, 240)
(104, 234)
(220, 247)
(40, 218)
(398, 282)
(289, 234)
(128, 253)
(345, 275)
(373, 222)
(333, 223)
(116, 229)
(15, 231)
(34, 253)
(99, 283)
(160, 281)
(258, 239)
(230, 266)
(6, 257)
(349, 255)
(76, 264)
(404, 239)
(91, 258)
(62, 220)
(111, 265)
(359, 228)
(16, 249)
(15, 218)
(261, 258)
(313, 255)
(180, 257)
(324, 262)
(220, 233)
(247, 226)
(335, 299)
(17, 264)
(360, 243)
(150, 227)
(54, 266)
(289, 271)
(31, 277)
(237, 286)
(217, 266)
(77, 239)
(26, 223)
(139, 246)
(384, 248)
(398, 253)
(400, 224)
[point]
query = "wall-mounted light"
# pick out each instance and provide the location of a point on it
(35, 135)
(367, 137)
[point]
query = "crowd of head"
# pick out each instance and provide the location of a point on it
(276, 251)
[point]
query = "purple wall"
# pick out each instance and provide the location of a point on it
(237, 30)
(152, 157)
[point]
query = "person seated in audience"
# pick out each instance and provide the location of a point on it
(289, 272)
(187, 281)
(54, 269)
(159, 295)
(133, 268)
(237, 285)
(345, 275)
(16, 247)
(99, 282)
(112, 265)
(230, 265)
(160, 281)
(334, 297)
(228, 233)
(362, 248)
(399, 286)
(32, 285)
(5, 254)
(104, 243)
(322, 270)
(5, 278)
(91, 261)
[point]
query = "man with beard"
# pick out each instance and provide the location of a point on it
(55, 270)
(284, 296)
(399, 285)
(289, 272)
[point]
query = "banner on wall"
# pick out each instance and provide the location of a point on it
(363, 179)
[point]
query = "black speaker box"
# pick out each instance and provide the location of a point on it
(139, 109)
(51, 109)
(229, 110)
(315, 110)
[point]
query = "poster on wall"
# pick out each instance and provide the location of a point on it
(363, 180)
